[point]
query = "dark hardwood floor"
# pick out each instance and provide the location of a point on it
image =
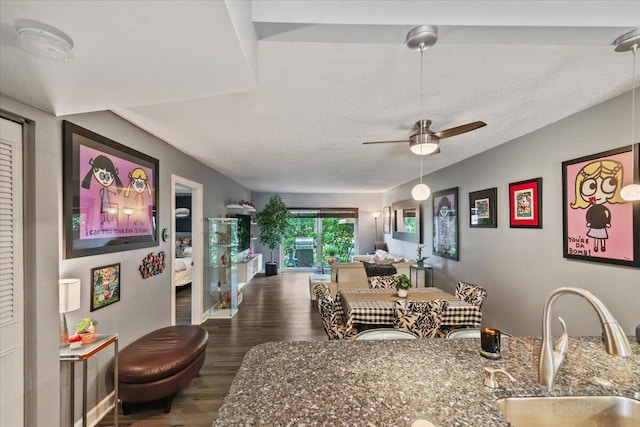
(183, 305)
(274, 308)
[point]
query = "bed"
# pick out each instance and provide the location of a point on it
(182, 268)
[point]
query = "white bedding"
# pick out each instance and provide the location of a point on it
(182, 270)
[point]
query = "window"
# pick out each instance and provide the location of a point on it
(318, 234)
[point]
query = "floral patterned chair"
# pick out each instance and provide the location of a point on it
(332, 320)
(470, 293)
(421, 318)
(320, 289)
(382, 282)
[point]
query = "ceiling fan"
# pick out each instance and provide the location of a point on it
(425, 141)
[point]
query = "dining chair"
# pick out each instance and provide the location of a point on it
(385, 334)
(470, 293)
(382, 282)
(320, 289)
(471, 333)
(332, 321)
(421, 318)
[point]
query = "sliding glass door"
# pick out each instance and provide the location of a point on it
(319, 237)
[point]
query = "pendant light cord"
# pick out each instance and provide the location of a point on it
(421, 102)
(634, 48)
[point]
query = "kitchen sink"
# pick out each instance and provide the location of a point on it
(570, 411)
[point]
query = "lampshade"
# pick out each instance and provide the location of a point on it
(182, 212)
(376, 214)
(631, 192)
(69, 295)
(421, 192)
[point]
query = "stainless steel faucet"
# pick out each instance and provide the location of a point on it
(551, 356)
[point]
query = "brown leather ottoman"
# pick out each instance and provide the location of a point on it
(159, 364)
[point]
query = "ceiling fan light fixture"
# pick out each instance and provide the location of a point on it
(45, 42)
(423, 144)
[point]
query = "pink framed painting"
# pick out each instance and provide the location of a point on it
(599, 225)
(110, 195)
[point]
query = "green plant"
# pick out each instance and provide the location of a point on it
(273, 222)
(403, 282)
(86, 325)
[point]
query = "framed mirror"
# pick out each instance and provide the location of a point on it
(406, 221)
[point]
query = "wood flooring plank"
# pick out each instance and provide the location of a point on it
(274, 308)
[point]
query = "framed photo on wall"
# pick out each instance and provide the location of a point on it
(599, 225)
(525, 204)
(110, 195)
(483, 211)
(105, 286)
(445, 223)
(386, 220)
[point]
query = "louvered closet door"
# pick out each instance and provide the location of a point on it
(11, 283)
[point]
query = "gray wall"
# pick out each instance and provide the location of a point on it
(145, 304)
(520, 267)
(367, 203)
(41, 318)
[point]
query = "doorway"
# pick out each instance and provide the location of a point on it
(318, 237)
(187, 246)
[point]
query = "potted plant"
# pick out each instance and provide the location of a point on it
(402, 285)
(273, 222)
(86, 328)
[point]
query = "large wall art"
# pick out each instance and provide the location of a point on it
(110, 195)
(599, 225)
(445, 223)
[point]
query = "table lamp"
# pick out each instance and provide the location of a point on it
(69, 300)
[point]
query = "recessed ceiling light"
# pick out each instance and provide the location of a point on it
(44, 41)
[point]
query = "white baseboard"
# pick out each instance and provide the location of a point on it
(97, 413)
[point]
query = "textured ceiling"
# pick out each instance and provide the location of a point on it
(324, 89)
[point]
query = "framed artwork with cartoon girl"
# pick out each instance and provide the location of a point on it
(599, 225)
(110, 195)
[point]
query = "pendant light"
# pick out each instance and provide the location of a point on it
(421, 191)
(631, 41)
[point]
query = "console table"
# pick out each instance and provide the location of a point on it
(83, 354)
(427, 269)
(246, 269)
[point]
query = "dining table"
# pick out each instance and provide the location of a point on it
(375, 307)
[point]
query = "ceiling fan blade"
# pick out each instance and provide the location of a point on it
(384, 142)
(448, 133)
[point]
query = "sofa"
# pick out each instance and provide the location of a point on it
(349, 275)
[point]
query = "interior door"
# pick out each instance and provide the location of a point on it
(11, 279)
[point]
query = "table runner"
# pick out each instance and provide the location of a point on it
(391, 296)
(375, 306)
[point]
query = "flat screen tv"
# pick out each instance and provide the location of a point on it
(244, 232)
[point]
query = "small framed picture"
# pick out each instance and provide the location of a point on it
(105, 286)
(525, 204)
(483, 211)
(386, 220)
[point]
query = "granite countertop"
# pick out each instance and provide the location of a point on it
(395, 383)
